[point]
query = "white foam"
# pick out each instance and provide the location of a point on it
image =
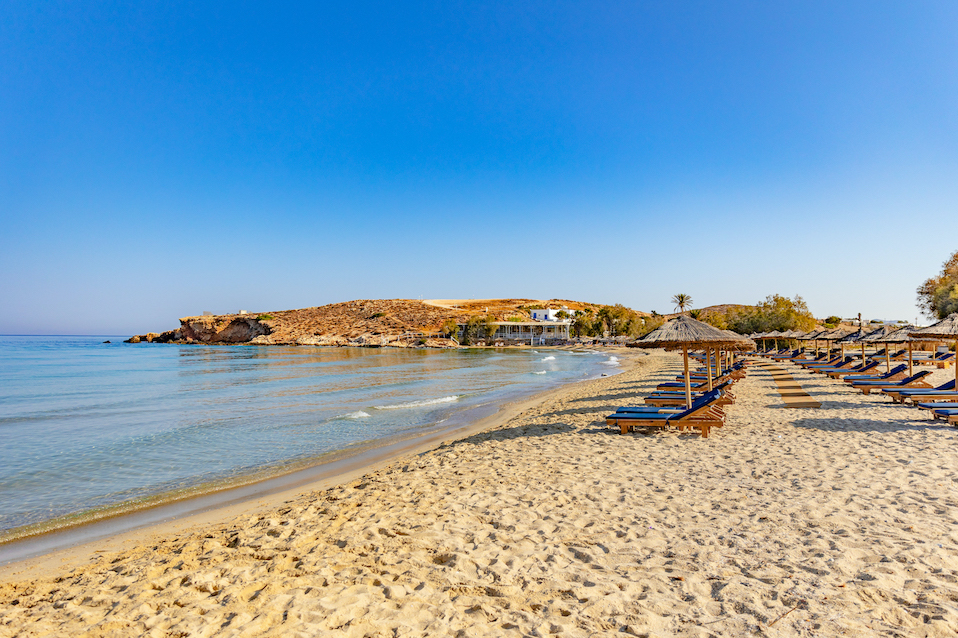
(612, 361)
(548, 359)
(354, 415)
(540, 372)
(418, 404)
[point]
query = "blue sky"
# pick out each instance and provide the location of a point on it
(162, 159)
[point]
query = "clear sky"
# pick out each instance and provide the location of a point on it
(163, 159)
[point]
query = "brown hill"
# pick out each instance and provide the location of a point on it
(395, 322)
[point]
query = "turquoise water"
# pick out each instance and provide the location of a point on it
(87, 425)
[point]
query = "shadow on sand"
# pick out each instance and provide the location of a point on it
(871, 425)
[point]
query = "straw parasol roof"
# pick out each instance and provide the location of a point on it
(947, 328)
(682, 332)
(832, 335)
(814, 333)
(854, 337)
(741, 342)
(685, 331)
(877, 335)
(901, 335)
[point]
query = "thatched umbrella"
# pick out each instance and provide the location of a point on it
(738, 343)
(947, 328)
(834, 335)
(774, 334)
(813, 335)
(855, 337)
(902, 335)
(873, 337)
(682, 332)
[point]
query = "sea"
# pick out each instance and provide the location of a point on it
(90, 429)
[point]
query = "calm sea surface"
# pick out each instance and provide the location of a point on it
(86, 425)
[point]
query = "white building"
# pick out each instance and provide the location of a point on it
(549, 314)
(530, 332)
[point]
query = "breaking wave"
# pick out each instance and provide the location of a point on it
(418, 404)
(359, 414)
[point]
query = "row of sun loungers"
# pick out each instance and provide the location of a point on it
(666, 407)
(941, 401)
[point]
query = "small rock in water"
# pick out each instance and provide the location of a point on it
(107, 341)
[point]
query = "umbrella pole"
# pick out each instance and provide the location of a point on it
(887, 357)
(910, 372)
(708, 367)
(688, 386)
(954, 363)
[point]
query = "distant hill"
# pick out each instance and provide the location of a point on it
(393, 322)
(716, 309)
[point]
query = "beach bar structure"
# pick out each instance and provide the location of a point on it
(534, 332)
(530, 332)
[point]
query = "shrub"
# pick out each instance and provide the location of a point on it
(266, 317)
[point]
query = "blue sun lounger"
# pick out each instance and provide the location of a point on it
(909, 382)
(876, 377)
(704, 416)
(944, 391)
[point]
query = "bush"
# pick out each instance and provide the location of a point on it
(450, 328)
(378, 315)
(775, 313)
(264, 317)
(938, 296)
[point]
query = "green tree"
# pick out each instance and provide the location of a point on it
(583, 324)
(682, 301)
(775, 313)
(489, 328)
(450, 328)
(938, 296)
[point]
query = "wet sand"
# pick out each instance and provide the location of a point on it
(838, 520)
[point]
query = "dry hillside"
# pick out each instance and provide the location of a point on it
(394, 322)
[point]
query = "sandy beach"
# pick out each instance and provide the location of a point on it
(839, 520)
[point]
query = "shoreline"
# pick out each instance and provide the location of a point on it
(71, 544)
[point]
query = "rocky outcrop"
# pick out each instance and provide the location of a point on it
(154, 337)
(223, 329)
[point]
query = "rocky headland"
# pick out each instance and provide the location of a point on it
(363, 322)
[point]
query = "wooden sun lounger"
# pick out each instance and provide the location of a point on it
(850, 365)
(677, 399)
(914, 381)
(705, 416)
(922, 394)
(840, 372)
(835, 362)
(938, 405)
(895, 374)
(948, 414)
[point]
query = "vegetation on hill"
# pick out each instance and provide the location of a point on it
(938, 296)
(774, 313)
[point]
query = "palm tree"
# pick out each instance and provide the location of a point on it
(682, 301)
